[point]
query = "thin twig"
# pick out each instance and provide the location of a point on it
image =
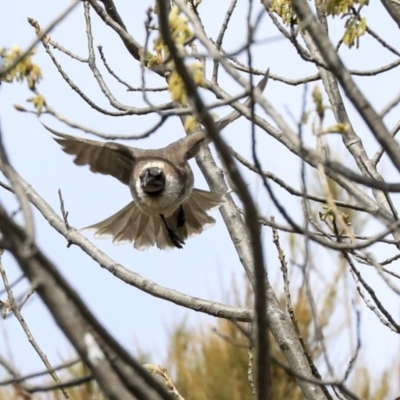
(40, 37)
(16, 311)
(41, 373)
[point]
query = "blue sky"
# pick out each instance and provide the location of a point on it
(208, 263)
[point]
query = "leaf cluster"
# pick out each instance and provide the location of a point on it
(25, 70)
(355, 25)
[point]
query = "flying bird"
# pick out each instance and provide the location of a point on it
(166, 208)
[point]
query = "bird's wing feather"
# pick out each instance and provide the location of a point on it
(105, 158)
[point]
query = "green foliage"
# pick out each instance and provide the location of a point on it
(318, 111)
(181, 34)
(25, 70)
(207, 367)
(320, 107)
(284, 9)
(38, 102)
(179, 26)
(176, 86)
(355, 28)
(341, 7)
(214, 363)
(355, 25)
(208, 363)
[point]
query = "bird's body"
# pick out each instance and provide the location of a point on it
(173, 193)
(166, 209)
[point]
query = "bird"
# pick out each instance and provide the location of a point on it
(166, 209)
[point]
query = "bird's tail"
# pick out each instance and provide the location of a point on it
(133, 226)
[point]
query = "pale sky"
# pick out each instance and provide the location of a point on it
(207, 264)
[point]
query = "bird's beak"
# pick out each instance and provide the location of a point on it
(152, 180)
(147, 178)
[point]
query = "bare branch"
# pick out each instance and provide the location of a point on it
(118, 374)
(41, 36)
(16, 311)
(321, 40)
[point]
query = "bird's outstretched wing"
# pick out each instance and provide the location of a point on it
(105, 158)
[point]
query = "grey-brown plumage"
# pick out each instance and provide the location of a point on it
(166, 209)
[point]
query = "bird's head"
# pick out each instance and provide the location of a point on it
(159, 185)
(152, 180)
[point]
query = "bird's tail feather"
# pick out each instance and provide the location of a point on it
(131, 225)
(195, 210)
